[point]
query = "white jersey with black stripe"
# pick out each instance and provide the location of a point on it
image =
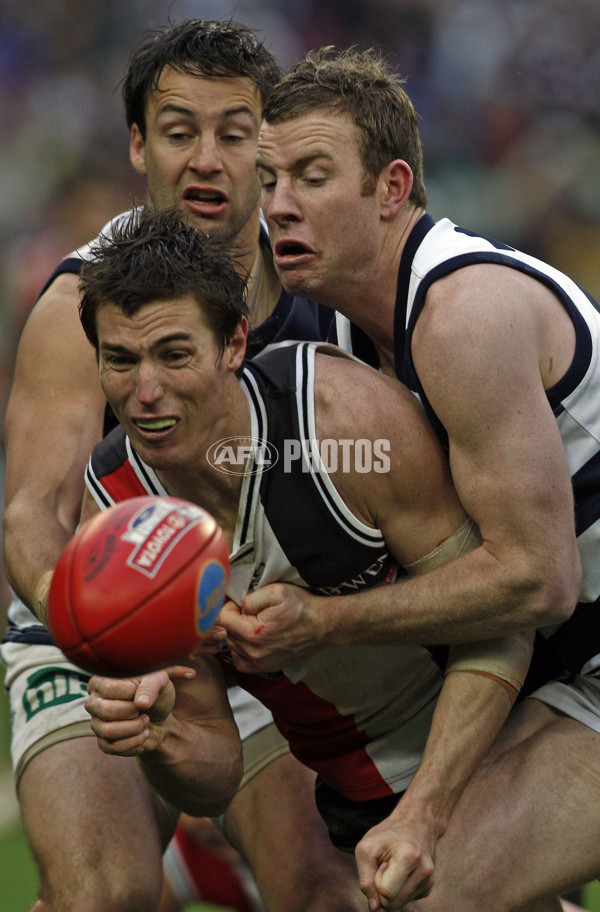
(359, 715)
(435, 249)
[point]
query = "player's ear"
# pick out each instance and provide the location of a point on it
(395, 185)
(137, 150)
(235, 350)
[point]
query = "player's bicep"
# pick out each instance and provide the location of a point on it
(506, 455)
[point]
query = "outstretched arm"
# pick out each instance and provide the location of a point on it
(54, 417)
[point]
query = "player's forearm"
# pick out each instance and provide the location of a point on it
(33, 541)
(196, 769)
(474, 597)
(469, 715)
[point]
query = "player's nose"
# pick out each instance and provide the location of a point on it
(148, 385)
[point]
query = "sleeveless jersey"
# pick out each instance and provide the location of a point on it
(292, 319)
(359, 715)
(435, 249)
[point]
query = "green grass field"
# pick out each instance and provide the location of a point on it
(18, 879)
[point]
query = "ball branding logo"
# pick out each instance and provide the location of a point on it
(155, 530)
(212, 581)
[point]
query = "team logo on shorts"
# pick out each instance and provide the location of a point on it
(53, 687)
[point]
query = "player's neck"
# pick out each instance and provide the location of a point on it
(217, 492)
(264, 287)
(246, 244)
(372, 303)
(213, 478)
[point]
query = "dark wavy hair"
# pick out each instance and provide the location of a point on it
(199, 47)
(153, 255)
(361, 85)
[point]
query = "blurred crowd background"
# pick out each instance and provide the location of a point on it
(508, 93)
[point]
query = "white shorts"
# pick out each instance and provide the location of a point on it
(580, 699)
(47, 695)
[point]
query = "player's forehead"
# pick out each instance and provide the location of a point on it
(153, 324)
(204, 96)
(321, 133)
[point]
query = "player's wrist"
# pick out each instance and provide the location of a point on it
(328, 619)
(158, 747)
(429, 800)
(428, 809)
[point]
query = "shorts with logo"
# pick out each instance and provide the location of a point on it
(47, 695)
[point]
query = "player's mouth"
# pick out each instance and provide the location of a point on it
(205, 201)
(155, 428)
(291, 253)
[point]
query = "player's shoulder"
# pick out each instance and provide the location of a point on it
(106, 232)
(110, 454)
(52, 335)
(60, 295)
(334, 365)
(61, 290)
(350, 393)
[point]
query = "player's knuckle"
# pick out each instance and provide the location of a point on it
(413, 856)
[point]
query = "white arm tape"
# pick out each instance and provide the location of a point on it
(505, 657)
(466, 538)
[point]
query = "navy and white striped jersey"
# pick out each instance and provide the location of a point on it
(358, 715)
(435, 249)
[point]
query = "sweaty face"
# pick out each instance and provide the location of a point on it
(163, 374)
(323, 228)
(199, 152)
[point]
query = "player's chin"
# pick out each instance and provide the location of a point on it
(296, 281)
(159, 455)
(216, 226)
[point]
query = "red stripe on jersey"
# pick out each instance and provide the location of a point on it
(123, 483)
(319, 735)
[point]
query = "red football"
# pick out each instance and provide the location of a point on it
(138, 586)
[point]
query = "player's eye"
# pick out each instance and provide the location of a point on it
(176, 356)
(118, 362)
(267, 181)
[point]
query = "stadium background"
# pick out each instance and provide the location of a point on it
(508, 93)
